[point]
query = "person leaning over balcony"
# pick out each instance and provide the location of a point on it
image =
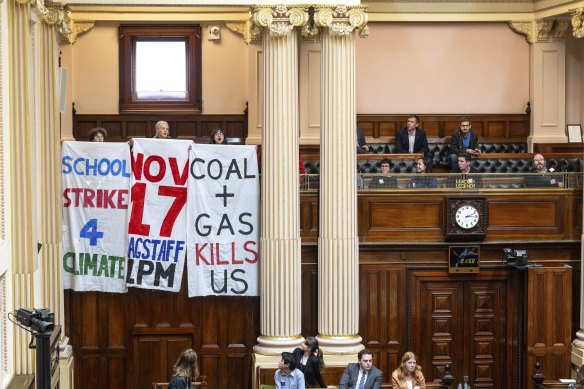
(218, 137)
(464, 139)
(97, 134)
(162, 130)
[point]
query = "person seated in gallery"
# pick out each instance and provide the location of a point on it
(385, 179)
(185, 370)
(362, 146)
(464, 139)
(464, 168)
(310, 362)
(288, 376)
(362, 375)
(409, 374)
(543, 178)
(421, 179)
(412, 139)
(97, 134)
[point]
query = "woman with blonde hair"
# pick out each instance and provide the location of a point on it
(185, 370)
(409, 374)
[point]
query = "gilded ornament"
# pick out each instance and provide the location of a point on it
(577, 22)
(342, 20)
(280, 20)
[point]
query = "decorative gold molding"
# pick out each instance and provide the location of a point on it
(577, 22)
(343, 20)
(242, 28)
(77, 27)
(544, 30)
(279, 19)
(50, 12)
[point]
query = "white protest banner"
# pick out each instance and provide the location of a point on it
(156, 232)
(96, 184)
(222, 222)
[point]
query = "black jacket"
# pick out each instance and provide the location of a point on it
(311, 370)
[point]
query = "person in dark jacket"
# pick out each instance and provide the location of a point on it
(310, 362)
(463, 140)
(412, 139)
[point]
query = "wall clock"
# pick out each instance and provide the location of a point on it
(467, 218)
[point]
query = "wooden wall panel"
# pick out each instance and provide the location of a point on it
(508, 127)
(549, 329)
(124, 126)
(382, 313)
(469, 322)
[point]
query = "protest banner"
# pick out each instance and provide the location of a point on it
(156, 232)
(96, 184)
(222, 221)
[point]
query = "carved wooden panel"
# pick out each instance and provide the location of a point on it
(549, 313)
(397, 218)
(382, 313)
(468, 323)
(130, 340)
(124, 126)
(511, 127)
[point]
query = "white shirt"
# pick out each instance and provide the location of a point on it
(361, 372)
(411, 138)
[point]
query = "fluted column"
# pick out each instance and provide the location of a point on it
(280, 234)
(338, 242)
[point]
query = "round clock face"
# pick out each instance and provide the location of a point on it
(467, 216)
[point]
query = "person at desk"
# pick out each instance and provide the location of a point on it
(310, 362)
(463, 139)
(409, 374)
(421, 180)
(185, 370)
(412, 139)
(288, 376)
(362, 375)
(362, 146)
(543, 178)
(464, 167)
(385, 180)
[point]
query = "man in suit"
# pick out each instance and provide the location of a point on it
(412, 139)
(362, 375)
(362, 146)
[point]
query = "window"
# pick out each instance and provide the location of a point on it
(160, 68)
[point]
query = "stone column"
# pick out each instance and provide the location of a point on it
(338, 242)
(547, 61)
(280, 235)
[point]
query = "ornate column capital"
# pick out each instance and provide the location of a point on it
(544, 30)
(577, 22)
(279, 19)
(343, 20)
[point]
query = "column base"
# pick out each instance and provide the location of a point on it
(268, 345)
(577, 355)
(340, 344)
